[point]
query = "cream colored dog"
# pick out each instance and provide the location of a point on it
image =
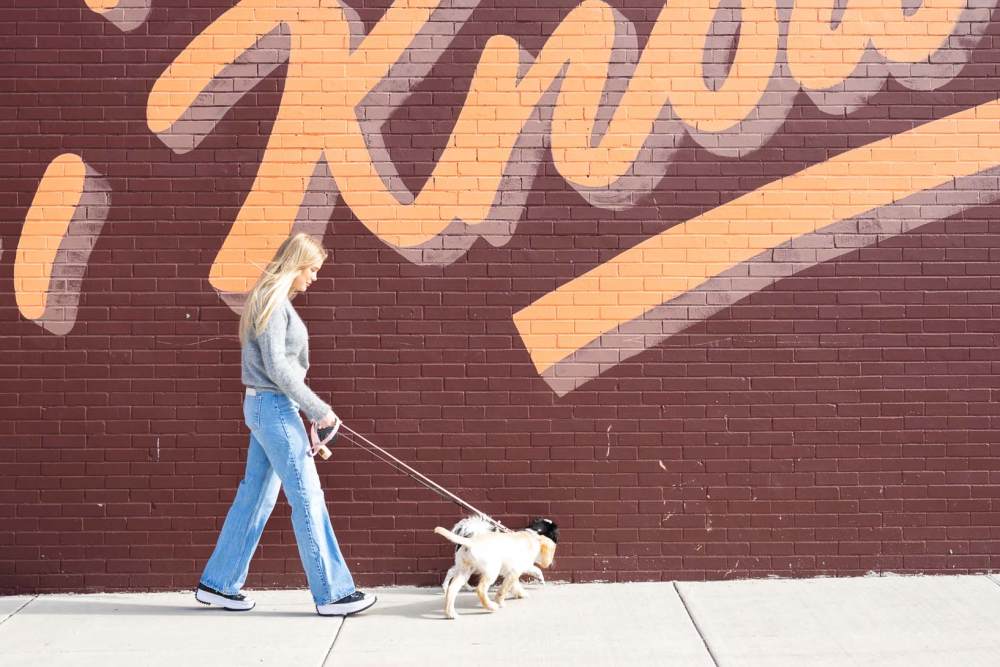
(491, 554)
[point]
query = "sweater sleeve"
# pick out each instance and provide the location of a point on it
(282, 373)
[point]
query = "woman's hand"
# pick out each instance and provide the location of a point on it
(330, 420)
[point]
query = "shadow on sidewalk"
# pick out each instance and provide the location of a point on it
(92, 607)
(424, 603)
(428, 604)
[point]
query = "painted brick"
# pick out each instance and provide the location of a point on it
(833, 414)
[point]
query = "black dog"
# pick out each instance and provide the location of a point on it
(545, 528)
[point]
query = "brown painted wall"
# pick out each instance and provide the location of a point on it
(733, 314)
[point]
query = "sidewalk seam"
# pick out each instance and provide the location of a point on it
(11, 614)
(695, 623)
(329, 651)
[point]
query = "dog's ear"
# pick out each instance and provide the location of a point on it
(546, 551)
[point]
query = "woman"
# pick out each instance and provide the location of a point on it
(275, 356)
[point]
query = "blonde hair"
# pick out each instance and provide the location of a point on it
(275, 283)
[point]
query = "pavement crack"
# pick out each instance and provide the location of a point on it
(696, 626)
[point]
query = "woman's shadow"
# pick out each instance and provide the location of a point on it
(410, 603)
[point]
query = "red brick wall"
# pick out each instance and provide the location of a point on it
(838, 418)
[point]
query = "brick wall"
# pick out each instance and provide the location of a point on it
(720, 304)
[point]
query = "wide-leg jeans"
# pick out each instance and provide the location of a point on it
(278, 457)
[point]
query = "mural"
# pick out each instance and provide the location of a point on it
(610, 114)
(59, 232)
(602, 110)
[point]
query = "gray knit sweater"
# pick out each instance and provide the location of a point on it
(278, 358)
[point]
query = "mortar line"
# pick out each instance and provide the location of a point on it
(11, 615)
(696, 626)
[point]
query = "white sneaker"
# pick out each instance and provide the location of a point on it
(238, 602)
(346, 606)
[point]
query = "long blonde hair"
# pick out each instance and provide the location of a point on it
(294, 254)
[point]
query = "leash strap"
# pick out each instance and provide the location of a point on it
(364, 443)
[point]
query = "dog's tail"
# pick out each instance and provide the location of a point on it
(452, 537)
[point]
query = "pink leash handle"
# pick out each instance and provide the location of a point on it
(320, 437)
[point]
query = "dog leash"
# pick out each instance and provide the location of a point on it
(364, 443)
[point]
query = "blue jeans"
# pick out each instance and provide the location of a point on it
(278, 458)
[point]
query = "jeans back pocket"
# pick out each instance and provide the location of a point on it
(251, 411)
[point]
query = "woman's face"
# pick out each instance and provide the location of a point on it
(305, 277)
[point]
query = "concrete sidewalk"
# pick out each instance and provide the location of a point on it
(861, 621)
